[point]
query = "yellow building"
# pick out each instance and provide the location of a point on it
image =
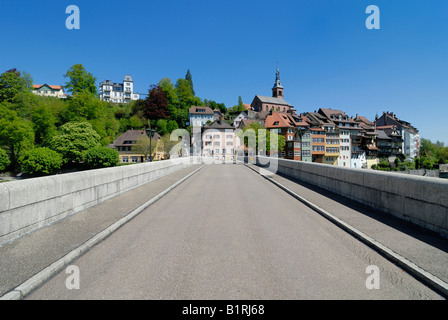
(130, 152)
(332, 147)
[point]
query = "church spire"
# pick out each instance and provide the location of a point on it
(277, 90)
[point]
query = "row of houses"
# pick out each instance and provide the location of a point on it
(108, 91)
(325, 136)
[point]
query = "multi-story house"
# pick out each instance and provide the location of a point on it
(332, 145)
(285, 125)
(199, 116)
(46, 90)
(304, 132)
(409, 134)
(346, 128)
(125, 144)
(389, 142)
(318, 125)
(364, 149)
(118, 92)
(219, 141)
(317, 144)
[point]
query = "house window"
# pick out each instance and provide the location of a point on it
(125, 159)
(134, 159)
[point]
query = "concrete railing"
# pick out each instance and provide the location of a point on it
(420, 200)
(27, 205)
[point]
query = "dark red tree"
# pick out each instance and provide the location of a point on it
(155, 106)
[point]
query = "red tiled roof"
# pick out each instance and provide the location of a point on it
(284, 121)
(206, 110)
(38, 86)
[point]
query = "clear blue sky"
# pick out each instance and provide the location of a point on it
(326, 55)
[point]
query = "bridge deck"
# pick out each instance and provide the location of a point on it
(225, 233)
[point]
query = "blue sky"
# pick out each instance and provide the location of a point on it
(326, 55)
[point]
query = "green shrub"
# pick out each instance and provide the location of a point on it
(74, 139)
(4, 160)
(101, 157)
(41, 161)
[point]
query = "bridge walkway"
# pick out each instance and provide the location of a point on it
(27, 256)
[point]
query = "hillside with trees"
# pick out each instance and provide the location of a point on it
(43, 135)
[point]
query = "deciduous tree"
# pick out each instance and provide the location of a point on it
(73, 139)
(16, 135)
(80, 80)
(13, 82)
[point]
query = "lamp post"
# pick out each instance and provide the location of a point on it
(149, 133)
(300, 131)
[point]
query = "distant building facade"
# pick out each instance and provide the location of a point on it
(125, 145)
(220, 141)
(46, 90)
(199, 116)
(118, 92)
(409, 134)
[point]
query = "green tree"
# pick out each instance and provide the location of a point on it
(24, 103)
(240, 104)
(172, 125)
(432, 153)
(162, 126)
(167, 145)
(185, 95)
(189, 78)
(101, 157)
(443, 155)
(181, 117)
(73, 139)
(41, 161)
(13, 82)
(4, 160)
(44, 125)
(144, 145)
(262, 142)
(80, 80)
(136, 123)
(427, 148)
(84, 105)
(16, 135)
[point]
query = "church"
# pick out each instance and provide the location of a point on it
(276, 103)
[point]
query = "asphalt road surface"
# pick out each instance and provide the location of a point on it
(226, 233)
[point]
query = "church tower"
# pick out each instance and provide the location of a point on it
(277, 90)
